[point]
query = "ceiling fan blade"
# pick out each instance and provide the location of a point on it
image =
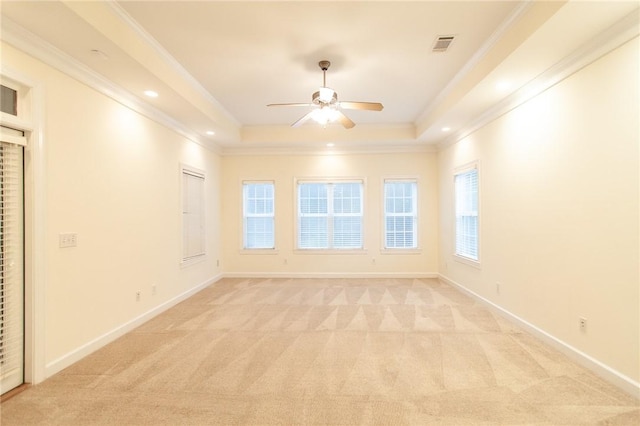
(344, 120)
(291, 105)
(370, 106)
(303, 119)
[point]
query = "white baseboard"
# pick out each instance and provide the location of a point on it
(609, 374)
(76, 355)
(330, 275)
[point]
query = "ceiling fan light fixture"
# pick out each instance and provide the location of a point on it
(325, 115)
(326, 94)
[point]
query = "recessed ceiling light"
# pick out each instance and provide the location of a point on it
(151, 93)
(211, 132)
(331, 144)
(503, 85)
(446, 129)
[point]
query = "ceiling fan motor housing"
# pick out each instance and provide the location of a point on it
(315, 98)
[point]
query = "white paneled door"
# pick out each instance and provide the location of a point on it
(11, 263)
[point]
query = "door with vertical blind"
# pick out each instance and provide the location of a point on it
(11, 260)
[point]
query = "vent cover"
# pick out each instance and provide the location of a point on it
(442, 43)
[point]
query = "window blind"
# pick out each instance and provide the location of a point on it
(330, 215)
(193, 219)
(11, 266)
(313, 216)
(347, 215)
(466, 210)
(12, 136)
(401, 214)
(258, 215)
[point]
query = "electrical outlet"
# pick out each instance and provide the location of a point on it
(154, 290)
(498, 288)
(583, 324)
(285, 261)
(68, 240)
(138, 295)
(373, 260)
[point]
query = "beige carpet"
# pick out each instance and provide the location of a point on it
(343, 352)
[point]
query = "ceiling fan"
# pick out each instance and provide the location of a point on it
(326, 107)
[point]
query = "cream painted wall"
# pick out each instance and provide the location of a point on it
(284, 169)
(559, 211)
(112, 177)
(560, 196)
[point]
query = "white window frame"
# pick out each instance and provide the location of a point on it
(457, 254)
(30, 120)
(245, 215)
(22, 119)
(198, 216)
(414, 214)
(330, 215)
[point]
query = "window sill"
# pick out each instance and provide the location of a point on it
(259, 251)
(474, 263)
(400, 251)
(192, 261)
(331, 251)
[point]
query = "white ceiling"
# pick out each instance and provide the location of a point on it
(216, 65)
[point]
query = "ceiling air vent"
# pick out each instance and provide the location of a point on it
(442, 43)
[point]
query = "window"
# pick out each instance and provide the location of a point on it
(330, 215)
(193, 223)
(8, 100)
(466, 208)
(15, 101)
(258, 214)
(400, 214)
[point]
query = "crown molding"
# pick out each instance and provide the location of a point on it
(486, 47)
(31, 44)
(615, 36)
(315, 151)
(169, 59)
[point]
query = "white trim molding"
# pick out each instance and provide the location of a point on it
(615, 36)
(88, 348)
(169, 59)
(32, 123)
(26, 41)
(609, 374)
(518, 12)
(326, 275)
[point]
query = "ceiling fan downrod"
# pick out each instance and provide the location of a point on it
(324, 66)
